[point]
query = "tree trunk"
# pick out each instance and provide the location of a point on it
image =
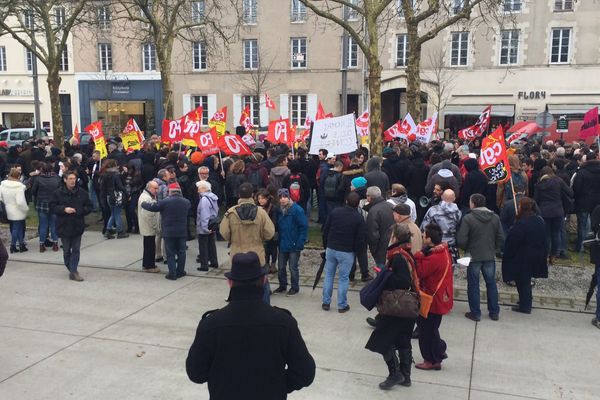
(375, 109)
(163, 53)
(53, 81)
(413, 76)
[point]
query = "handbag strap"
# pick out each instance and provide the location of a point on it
(444, 276)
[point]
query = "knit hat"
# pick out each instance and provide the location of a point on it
(283, 192)
(174, 186)
(358, 182)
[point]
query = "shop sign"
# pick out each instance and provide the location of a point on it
(16, 92)
(532, 95)
(120, 88)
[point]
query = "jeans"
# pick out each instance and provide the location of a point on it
(562, 237)
(175, 249)
(525, 293)
(115, 219)
(337, 259)
(148, 254)
(17, 232)
(430, 343)
(267, 292)
(488, 268)
(553, 234)
(93, 196)
(598, 290)
(293, 257)
(207, 250)
(71, 246)
(583, 228)
(47, 226)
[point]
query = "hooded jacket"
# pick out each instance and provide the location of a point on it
(431, 265)
(208, 207)
(447, 216)
(379, 221)
(475, 182)
(586, 186)
(443, 175)
(445, 164)
(548, 195)
(376, 177)
(12, 193)
(246, 226)
(403, 199)
(277, 175)
(43, 187)
(480, 234)
(292, 226)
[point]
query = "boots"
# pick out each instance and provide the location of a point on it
(109, 234)
(74, 276)
(42, 248)
(55, 246)
(272, 268)
(122, 235)
(23, 248)
(395, 377)
(405, 364)
(13, 249)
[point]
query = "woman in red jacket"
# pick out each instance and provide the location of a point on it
(434, 269)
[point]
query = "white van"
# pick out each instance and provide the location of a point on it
(16, 136)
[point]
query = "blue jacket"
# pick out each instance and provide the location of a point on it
(293, 228)
(173, 215)
(208, 207)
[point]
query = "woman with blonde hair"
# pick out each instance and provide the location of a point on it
(12, 193)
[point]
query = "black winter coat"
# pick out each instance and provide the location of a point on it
(69, 225)
(548, 194)
(379, 221)
(249, 350)
(586, 186)
(344, 230)
(417, 179)
(595, 247)
(44, 187)
(525, 250)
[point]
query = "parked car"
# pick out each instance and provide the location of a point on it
(16, 136)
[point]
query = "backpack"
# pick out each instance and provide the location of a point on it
(295, 188)
(255, 179)
(330, 185)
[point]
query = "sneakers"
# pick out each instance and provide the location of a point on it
(366, 278)
(122, 235)
(325, 307)
(472, 316)
(203, 268)
(372, 322)
(158, 259)
(345, 309)
(494, 317)
(74, 276)
(181, 274)
(291, 292)
(109, 234)
(170, 277)
(520, 310)
(280, 289)
(23, 248)
(55, 246)
(596, 323)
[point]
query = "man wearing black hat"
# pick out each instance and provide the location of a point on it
(248, 349)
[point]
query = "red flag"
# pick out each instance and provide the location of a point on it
(590, 124)
(207, 142)
(233, 145)
(95, 130)
(480, 127)
(426, 128)
(171, 130)
(76, 135)
(190, 126)
(401, 129)
(307, 122)
(493, 160)
(363, 124)
(132, 126)
(220, 115)
(320, 112)
(279, 132)
(393, 132)
(268, 102)
(245, 119)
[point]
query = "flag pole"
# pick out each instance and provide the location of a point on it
(514, 194)
(221, 159)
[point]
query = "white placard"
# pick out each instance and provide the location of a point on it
(337, 135)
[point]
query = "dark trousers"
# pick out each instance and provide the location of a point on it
(131, 213)
(525, 294)
(207, 250)
(363, 263)
(271, 249)
(553, 226)
(430, 343)
(104, 207)
(175, 249)
(149, 250)
(71, 246)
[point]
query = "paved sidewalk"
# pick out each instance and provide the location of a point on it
(125, 334)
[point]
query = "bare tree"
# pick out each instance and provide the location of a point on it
(440, 77)
(43, 27)
(210, 22)
(254, 81)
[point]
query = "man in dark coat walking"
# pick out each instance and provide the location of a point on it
(248, 349)
(379, 221)
(71, 204)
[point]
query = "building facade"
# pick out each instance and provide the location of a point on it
(543, 53)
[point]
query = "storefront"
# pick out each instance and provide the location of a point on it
(114, 102)
(457, 117)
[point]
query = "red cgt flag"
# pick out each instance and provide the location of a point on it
(245, 119)
(233, 145)
(280, 132)
(480, 127)
(268, 102)
(493, 160)
(589, 127)
(95, 130)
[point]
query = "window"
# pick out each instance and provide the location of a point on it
(201, 101)
(64, 59)
(298, 13)
(2, 58)
(105, 56)
(250, 54)
(59, 16)
(350, 14)
(104, 18)
(28, 60)
(145, 25)
(297, 109)
(561, 41)
(399, 8)
(28, 19)
(298, 53)
(563, 5)
(252, 102)
(457, 6)
(402, 50)
(249, 11)
(199, 50)
(198, 8)
(149, 56)
(512, 5)
(351, 56)
(460, 49)
(509, 48)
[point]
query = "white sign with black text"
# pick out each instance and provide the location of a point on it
(337, 135)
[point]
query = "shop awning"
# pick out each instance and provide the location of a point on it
(558, 109)
(498, 110)
(531, 128)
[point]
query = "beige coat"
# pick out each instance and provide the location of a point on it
(247, 234)
(149, 222)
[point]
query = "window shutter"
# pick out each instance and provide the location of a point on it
(284, 105)
(187, 103)
(264, 112)
(311, 106)
(237, 109)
